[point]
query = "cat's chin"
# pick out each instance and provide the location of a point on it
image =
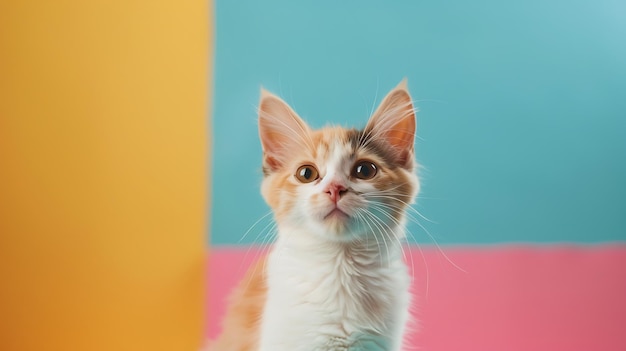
(336, 214)
(337, 226)
(331, 221)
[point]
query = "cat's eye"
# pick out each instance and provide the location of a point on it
(364, 170)
(307, 174)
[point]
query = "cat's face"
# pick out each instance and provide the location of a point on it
(341, 184)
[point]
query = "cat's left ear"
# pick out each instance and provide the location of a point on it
(393, 123)
(281, 131)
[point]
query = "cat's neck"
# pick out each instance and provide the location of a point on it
(308, 245)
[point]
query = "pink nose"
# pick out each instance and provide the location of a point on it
(335, 191)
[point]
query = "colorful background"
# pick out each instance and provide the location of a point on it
(128, 146)
(522, 144)
(103, 174)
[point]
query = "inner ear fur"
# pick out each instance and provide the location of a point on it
(394, 124)
(280, 130)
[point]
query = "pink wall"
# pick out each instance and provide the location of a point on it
(506, 298)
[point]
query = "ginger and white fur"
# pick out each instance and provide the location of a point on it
(336, 270)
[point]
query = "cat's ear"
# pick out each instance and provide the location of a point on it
(280, 130)
(393, 123)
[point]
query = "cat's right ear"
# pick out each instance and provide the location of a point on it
(280, 130)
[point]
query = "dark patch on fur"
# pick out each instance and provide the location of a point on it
(361, 139)
(353, 136)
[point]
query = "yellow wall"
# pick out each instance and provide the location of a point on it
(103, 173)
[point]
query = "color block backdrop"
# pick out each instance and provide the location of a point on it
(103, 174)
(522, 144)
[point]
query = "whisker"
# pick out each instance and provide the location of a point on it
(398, 224)
(253, 225)
(382, 232)
(360, 215)
(256, 237)
(268, 237)
(391, 235)
(430, 235)
(408, 206)
(411, 235)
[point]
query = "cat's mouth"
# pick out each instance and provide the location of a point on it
(336, 213)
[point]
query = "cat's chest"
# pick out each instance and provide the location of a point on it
(325, 300)
(343, 292)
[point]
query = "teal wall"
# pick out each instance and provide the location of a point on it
(522, 104)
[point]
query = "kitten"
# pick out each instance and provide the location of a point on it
(335, 278)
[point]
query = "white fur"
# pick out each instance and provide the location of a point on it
(317, 293)
(331, 279)
(322, 292)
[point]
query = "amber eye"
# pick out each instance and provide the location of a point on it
(307, 174)
(364, 170)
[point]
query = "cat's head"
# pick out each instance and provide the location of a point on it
(342, 184)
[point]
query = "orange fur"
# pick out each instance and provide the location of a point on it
(279, 190)
(240, 328)
(288, 143)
